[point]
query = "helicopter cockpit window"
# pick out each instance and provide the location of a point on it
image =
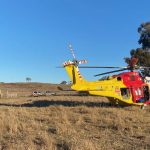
(125, 93)
(118, 78)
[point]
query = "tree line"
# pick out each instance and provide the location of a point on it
(142, 53)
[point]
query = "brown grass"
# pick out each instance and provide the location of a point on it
(72, 123)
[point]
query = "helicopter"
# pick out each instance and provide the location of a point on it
(125, 89)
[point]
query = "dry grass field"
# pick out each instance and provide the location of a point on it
(71, 123)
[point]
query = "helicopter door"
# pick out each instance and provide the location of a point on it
(146, 93)
(138, 95)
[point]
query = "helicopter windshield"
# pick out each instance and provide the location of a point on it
(104, 78)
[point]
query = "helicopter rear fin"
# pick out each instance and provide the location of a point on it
(74, 74)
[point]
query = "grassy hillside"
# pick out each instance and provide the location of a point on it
(31, 86)
(26, 89)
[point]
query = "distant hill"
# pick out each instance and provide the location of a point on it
(26, 89)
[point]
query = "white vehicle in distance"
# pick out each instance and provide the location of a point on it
(39, 93)
(36, 93)
(48, 93)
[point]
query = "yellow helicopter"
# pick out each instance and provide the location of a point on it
(126, 88)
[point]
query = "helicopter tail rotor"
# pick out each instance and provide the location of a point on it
(75, 61)
(72, 51)
(83, 62)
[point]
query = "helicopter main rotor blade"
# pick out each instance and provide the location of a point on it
(110, 72)
(100, 67)
(142, 67)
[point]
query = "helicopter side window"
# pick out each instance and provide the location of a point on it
(125, 93)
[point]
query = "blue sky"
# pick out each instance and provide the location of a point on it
(34, 35)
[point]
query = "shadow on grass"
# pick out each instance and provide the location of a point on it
(46, 103)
